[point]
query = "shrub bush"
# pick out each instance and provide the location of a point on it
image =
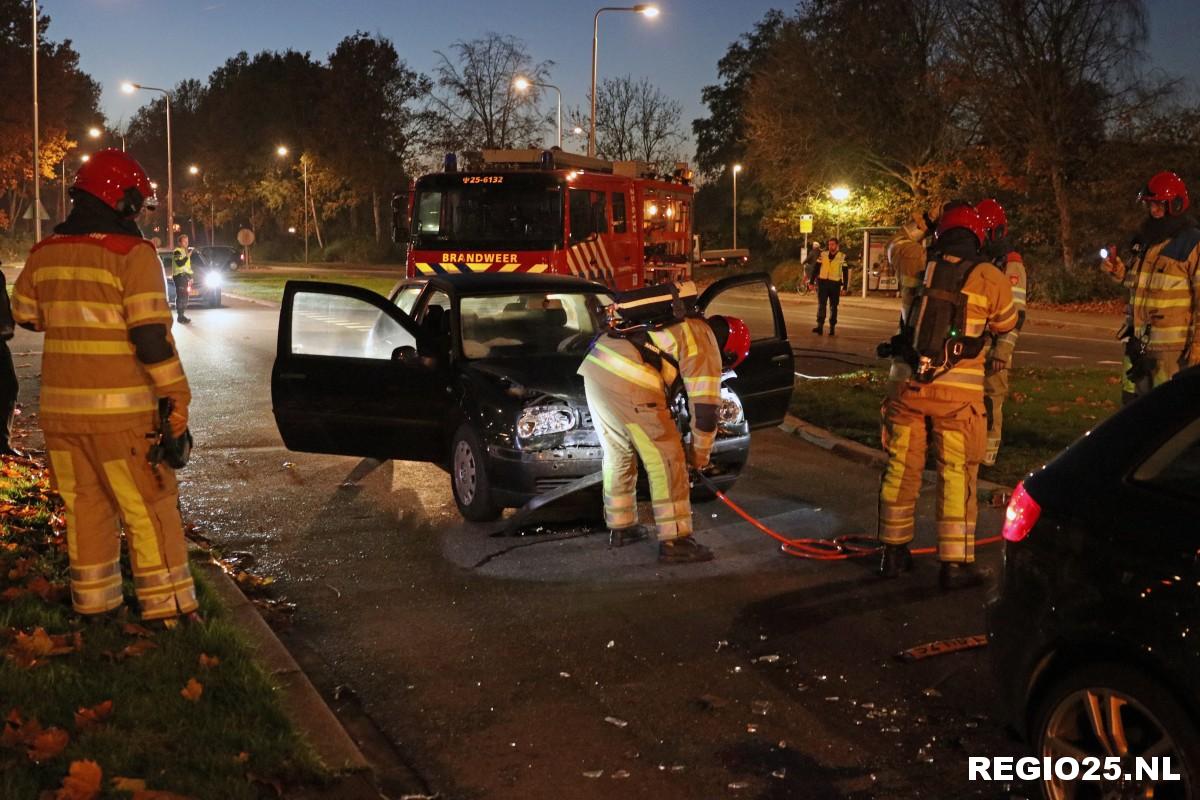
(362, 250)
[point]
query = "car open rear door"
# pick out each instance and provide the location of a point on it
(764, 380)
(347, 379)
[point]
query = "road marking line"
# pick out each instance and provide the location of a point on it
(1067, 358)
(1110, 363)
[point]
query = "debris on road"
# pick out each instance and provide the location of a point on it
(620, 723)
(942, 647)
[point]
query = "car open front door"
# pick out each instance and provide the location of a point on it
(347, 379)
(764, 380)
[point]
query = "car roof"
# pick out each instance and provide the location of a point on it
(514, 282)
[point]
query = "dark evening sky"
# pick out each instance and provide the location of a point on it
(160, 42)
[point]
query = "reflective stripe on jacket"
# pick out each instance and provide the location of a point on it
(832, 269)
(86, 293)
(181, 262)
(1165, 287)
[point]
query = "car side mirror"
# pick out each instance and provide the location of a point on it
(406, 355)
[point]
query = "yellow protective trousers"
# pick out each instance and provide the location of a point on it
(630, 430)
(108, 485)
(959, 436)
(995, 391)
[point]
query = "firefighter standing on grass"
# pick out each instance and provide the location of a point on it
(938, 374)
(181, 276)
(995, 383)
(629, 377)
(95, 288)
(1163, 325)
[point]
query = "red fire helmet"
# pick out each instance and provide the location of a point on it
(118, 180)
(1169, 189)
(733, 337)
(962, 216)
(994, 218)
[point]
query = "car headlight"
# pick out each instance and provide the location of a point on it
(213, 280)
(544, 420)
(730, 411)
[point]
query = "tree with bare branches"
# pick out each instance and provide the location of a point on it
(635, 121)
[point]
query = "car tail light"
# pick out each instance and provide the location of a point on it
(1022, 514)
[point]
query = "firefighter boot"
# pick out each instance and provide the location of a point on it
(684, 550)
(896, 559)
(960, 575)
(619, 537)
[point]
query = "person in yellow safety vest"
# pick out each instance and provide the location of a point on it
(181, 275)
(1163, 336)
(832, 280)
(95, 288)
(629, 376)
(995, 383)
(938, 373)
(906, 256)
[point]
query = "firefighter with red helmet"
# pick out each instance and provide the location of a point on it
(95, 288)
(999, 362)
(938, 370)
(655, 350)
(1164, 283)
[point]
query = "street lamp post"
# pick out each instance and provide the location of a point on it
(640, 8)
(129, 88)
(212, 206)
(37, 175)
(736, 169)
(283, 151)
(522, 84)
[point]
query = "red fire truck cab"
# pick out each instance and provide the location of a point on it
(548, 211)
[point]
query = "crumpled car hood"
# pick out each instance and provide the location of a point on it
(554, 376)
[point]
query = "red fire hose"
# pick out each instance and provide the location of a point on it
(839, 548)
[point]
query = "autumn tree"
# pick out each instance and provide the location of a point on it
(476, 104)
(635, 121)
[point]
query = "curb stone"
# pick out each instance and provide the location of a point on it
(855, 451)
(353, 775)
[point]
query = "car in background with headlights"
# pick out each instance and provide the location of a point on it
(206, 285)
(1090, 635)
(477, 374)
(220, 256)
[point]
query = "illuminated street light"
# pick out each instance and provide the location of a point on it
(194, 170)
(129, 87)
(840, 193)
(578, 130)
(282, 152)
(645, 10)
(736, 169)
(94, 132)
(523, 84)
(84, 158)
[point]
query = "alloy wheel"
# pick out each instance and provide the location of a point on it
(1101, 723)
(465, 479)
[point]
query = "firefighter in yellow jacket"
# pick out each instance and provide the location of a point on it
(630, 376)
(939, 366)
(1000, 359)
(95, 287)
(1164, 285)
(906, 257)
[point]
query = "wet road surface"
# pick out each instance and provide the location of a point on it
(549, 666)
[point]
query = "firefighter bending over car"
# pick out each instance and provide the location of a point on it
(995, 382)
(937, 377)
(656, 349)
(1162, 329)
(95, 287)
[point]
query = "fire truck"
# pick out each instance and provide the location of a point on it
(549, 211)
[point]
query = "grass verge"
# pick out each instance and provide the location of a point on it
(110, 708)
(1046, 410)
(268, 286)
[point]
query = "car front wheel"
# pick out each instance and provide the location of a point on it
(469, 478)
(1111, 711)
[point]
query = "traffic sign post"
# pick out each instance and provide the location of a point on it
(245, 238)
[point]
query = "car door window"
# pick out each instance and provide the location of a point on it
(333, 325)
(406, 298)
(1175, 467)
(751, 303)
(618, 212)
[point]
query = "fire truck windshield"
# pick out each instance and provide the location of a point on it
(533, 324)
(512, 214)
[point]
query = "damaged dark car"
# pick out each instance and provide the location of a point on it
(476, 374)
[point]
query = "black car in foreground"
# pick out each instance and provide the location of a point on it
(476, 373)
(1095, 634)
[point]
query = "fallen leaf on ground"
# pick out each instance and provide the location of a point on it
(193, 690)
(133, 629)
(82, 782)
(48, 744)
(208, 662)
(86, 718)
(241, 758)
(129, 784)
(11, 735)
(138, 648)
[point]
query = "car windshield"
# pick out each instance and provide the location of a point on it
(530, 324)
(506, 215)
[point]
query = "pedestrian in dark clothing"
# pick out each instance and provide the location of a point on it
(8, 375)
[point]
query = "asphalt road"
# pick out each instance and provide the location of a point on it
(549, 666)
